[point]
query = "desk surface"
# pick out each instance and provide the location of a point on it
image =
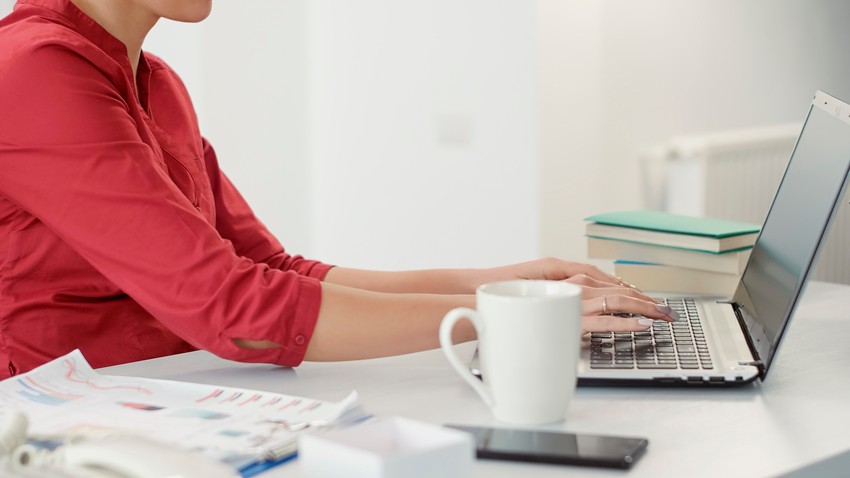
(797, 417)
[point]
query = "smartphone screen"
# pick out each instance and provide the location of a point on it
(555, 447)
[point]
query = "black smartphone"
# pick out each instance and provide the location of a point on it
(540, 446)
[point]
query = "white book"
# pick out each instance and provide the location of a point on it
(726, 262)
(660, 278)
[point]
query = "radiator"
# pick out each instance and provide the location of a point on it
(734, 175)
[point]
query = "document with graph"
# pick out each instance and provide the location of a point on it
(234, 425)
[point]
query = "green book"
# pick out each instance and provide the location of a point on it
(673, 230)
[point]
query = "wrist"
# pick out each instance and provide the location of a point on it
(478, 277)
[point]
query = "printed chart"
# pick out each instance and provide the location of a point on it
(237, 426)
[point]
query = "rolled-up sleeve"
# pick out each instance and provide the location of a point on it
(75, 158)
(236, 222)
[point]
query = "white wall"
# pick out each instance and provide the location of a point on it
(620, 76)
(424, 132)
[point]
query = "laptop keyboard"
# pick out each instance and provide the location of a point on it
(677, 345)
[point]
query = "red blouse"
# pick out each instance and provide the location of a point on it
(119, 235)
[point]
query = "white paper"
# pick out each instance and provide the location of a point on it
(237, 426)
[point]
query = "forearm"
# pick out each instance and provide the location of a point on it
(455, 281)
(357, 324)
(367, 314)
(434, 281)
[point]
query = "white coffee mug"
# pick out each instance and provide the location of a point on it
(529, 337)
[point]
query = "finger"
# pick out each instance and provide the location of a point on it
(612, 323)
(590, 292)
(571, 269)
(588, 281)
(617, 304)
(597, 274)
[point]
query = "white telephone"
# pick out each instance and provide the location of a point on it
(109, 457)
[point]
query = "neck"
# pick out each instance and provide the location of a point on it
(124, 20)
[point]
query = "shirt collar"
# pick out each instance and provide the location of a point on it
(66, 12)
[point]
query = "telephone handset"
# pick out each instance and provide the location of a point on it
(109, 457)
(134, 457)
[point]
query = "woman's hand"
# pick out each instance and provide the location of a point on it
(551, 268)
(603, 294)
(621, 309)
(608, 304)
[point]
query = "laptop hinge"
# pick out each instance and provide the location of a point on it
(758, 363)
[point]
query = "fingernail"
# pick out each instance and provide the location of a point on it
(666, 310)
(644, 322)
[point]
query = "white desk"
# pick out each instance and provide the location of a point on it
(795, 418)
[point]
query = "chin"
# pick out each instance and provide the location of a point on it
(189, 11)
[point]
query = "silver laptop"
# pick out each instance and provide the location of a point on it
(734, 342)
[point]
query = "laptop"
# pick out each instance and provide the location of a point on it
(734, 342)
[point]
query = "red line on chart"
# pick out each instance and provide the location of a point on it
(72, 376)
(70, 396)
(214, 394)
(256, 397)
(291, 403)
(271, 402)
(310, 407)
(232, 397)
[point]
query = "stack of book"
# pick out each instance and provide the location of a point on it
(660, 251)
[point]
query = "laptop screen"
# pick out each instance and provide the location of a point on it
(796, 225)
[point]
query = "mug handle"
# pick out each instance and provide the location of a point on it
(446, 327)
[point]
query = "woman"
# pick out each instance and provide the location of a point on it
(120, 236)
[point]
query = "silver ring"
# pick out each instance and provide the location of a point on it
(623, 283)
(604, 305)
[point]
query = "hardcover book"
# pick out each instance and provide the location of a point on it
(673, 230)
(660, 278)
(732, 262)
